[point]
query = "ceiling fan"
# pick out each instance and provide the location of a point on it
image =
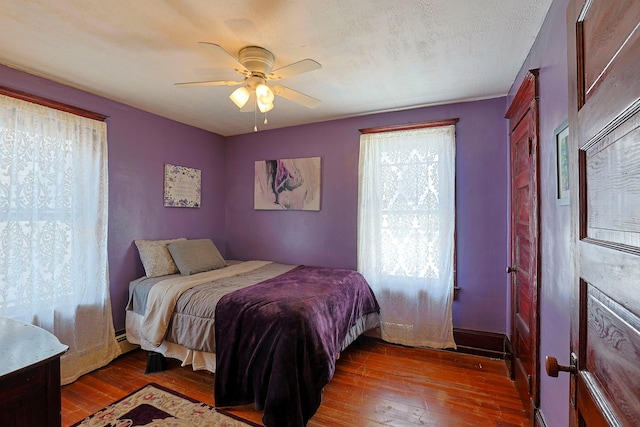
(255, 63)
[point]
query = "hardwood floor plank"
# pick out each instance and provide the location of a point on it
(375, 384)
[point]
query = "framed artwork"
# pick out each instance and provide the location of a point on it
(562, 163)
(287, 184)
(182, 186)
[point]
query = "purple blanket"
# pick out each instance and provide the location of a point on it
(276, 341)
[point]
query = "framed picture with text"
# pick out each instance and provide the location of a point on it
(182, 186)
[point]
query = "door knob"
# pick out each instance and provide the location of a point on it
(553, 368)
(511, 269)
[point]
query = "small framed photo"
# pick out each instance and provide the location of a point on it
(562, 163)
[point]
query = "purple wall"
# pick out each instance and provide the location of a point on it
(328, 237)
(139, 145)
(549, 54)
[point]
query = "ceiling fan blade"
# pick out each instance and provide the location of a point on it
(210, 83)
(299, 67)
(295, 96)
(225, 57)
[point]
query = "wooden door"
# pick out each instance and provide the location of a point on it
(523, 137)
(604, 128)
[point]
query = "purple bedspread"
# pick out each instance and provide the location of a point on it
(276, 341)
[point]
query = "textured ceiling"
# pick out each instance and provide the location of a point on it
(376, 55)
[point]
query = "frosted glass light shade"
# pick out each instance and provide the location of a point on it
(265, 107)
(264, 94)
(240, 96)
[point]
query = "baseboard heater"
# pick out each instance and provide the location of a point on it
(125, 346)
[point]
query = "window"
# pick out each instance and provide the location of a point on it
(406, 223)
(53, 229)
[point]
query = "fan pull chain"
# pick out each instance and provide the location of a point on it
(255, 118)
(265, 118)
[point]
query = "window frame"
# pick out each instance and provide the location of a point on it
(424, 125)
(56, 105)
(25, 96)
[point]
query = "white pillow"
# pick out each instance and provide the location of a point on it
(155, 257)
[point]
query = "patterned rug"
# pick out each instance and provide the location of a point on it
(156, 406)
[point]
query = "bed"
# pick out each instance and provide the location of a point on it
(270, 332)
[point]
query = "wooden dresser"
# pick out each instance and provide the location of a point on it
(29, 375)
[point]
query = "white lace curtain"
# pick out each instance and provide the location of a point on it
(406, 217)
(53, 230)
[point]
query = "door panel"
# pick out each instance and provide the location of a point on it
(523, 125)
(605, 30)
(613, 172)
(611, 352)
(604, 128)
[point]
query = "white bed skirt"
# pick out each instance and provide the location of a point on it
(201, 360)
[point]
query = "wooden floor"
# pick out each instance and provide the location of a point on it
(375, 384)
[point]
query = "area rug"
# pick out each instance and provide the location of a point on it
(157, 406)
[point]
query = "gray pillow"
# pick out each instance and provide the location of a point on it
(196, 256)
(156, 258)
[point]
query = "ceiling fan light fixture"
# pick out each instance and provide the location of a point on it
(240, 96)
(255, 64)
(264, 94)
(265, 107)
